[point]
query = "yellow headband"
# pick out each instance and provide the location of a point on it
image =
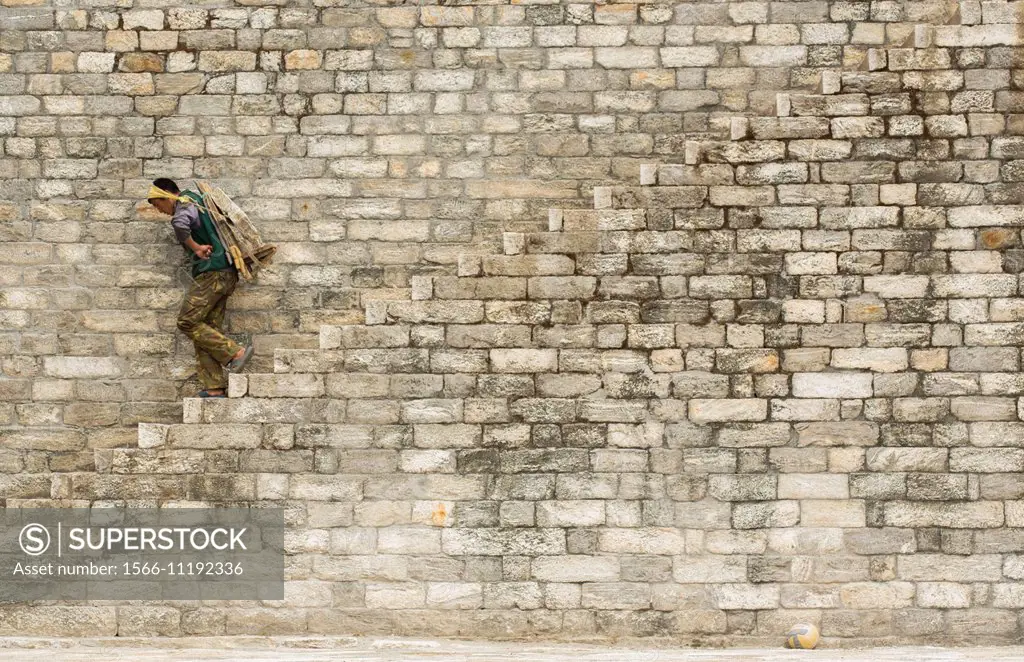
(157, 192)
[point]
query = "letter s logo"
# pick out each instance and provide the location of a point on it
(34, 539)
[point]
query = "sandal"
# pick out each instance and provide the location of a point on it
(206, 394)
(234, 365)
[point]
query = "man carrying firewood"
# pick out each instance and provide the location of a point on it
(201, 317)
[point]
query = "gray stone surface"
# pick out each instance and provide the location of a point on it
(227, 649)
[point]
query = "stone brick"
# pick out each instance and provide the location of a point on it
(96, 62)
(709, 569)
(689, 56)
(222, 436)
(832, 385)
(82, 367)
(575, 568)
(150, 19)
(706, 411)
(395, 595)
(503, 541)
(845, 433)
(983, 514)
(938, 567)
(877, 360)
(813, 486)
(570, 513)
(524, 360)
(743, 596)
(303, 59)
(642, 540)
(832, 513)
(217, 61)
(877, 595)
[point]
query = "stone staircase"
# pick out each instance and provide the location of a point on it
(755, 388)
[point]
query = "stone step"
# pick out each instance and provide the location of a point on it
(595, 220)
(203, 437)
(871, 82)
(569, 243)
(919, 59)
(249, 411)
(363, 385)
(701, 403)
(680, 174)
(977, 36)
(362, 336)
(530, 265)
(324, 361)
(760, 140)
(657, 197)
(822, 105)
(864, 146)
(734, 152)
(188, 443)
(135, 461)
(870, 93)
(991, 12)
(487, 288)
(779, 128)
(426, 312)
(196, 436)
(289, 457)
(320, 361)
(225, 488)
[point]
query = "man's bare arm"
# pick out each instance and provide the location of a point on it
(202, 250)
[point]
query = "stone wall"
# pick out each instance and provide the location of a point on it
(589, 320)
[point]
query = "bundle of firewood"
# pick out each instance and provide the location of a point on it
(240, 237)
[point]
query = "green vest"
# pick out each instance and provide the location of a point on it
(206, 235)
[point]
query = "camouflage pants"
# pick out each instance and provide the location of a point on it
(201, 318)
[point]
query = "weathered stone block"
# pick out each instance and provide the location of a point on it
(832, 385)
(715, 410)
